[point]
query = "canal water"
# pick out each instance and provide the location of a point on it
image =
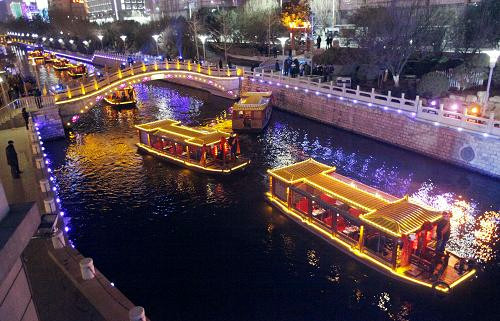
(189, 246)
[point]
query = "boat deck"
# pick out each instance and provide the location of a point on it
(212, 165)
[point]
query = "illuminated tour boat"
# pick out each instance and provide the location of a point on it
(252, 112)
(76, 71)
(209, 151)
(36, 55)
(49, 57)
(60, 64)
(393, 236)
(122, 98)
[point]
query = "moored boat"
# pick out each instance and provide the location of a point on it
(60, 64)
(77, 71)
(122, 98)
(252, 112)
(209, 151)
(394, 236)
(36, 55)
(49, 57)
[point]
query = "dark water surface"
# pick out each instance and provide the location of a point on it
(188, 246)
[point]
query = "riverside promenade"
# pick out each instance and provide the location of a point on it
(53, 283)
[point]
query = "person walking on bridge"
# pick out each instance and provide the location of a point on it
(11, 154)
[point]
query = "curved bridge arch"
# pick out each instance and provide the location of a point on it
(224, 83)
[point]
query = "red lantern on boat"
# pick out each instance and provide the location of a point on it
(238, 150)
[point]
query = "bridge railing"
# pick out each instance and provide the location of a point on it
(31, 103)
(138, 69)
(439, 117)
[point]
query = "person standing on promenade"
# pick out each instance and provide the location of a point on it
(26, 117)
(11, 153)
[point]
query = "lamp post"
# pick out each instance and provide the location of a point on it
(86, 44)
(123, 38)
(493, 54)
(203, 39)
(100, 37)
(283, 43)
(156, 37)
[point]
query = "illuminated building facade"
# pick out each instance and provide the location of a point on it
(101, 11)
(74, 8)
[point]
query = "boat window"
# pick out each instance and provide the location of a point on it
(144, 138)
(322, 215)
(347, 228)
(300, 202)
(378, 244)
(279, 189)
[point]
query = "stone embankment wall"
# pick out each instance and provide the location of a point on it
(49, 122)
(466, 149)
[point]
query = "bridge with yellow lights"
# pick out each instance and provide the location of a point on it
(221, 82)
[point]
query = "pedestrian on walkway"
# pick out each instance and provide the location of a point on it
(10, 151)
(220, 63)
(26, 117)
(277, 66)
(318, 42)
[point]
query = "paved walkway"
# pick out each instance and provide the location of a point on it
(23, 189)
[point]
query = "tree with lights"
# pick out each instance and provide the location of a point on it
(323, 12)
(295, 16)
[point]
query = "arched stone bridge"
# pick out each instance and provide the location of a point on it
(221, 82)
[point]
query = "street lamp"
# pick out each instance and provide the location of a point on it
(493, 54)
(71, 41)
(123, 38)
(155, 37)
(100, 37)
(86, 44)
(283, 42)
(203, 39)
(44, 38)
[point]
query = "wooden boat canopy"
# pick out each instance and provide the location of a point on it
(253, 101)
(173, 130)
(401, 217)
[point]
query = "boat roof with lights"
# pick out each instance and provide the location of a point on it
(172, 129)
(382, 211)
(253, 101)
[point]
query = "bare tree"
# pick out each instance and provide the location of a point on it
(391, 34)
(222, 30)
(196, 26)
(474, 27)
(265, 11)
(323, 13)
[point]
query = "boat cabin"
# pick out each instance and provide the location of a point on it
(252, 112)
(393, 235)
(77, 71)
(210, 151)
(36, 55)
(60, 64)
(123, 97)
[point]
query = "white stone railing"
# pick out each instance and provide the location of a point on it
(439, 117)
(31, 103)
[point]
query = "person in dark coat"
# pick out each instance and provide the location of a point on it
(220, 63)
(26, 117)
(11, 153)
(318, 42)
(277, 66)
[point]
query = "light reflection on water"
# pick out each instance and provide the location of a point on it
(216, 238)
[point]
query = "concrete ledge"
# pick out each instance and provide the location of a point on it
(109, 302)
(16, 230)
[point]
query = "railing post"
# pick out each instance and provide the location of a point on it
(357, 91)
(372, 94)
(389, 96)
(489, 124)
